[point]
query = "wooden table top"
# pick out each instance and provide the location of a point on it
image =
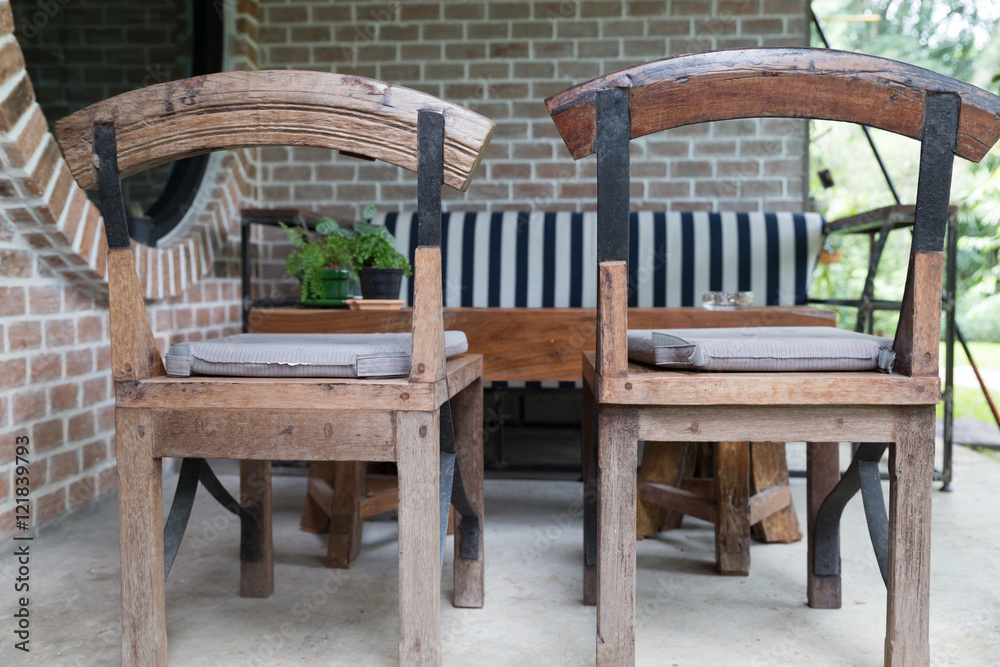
(530, 344)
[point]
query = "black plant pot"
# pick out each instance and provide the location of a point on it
(381, 283)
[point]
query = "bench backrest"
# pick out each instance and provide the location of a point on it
(549, 260)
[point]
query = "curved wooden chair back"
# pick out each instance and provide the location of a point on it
(948, 116)
(126, 134)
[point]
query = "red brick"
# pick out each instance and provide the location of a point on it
(63, 397)
(15, 263)
(49, 506)
(6, 22)
(94, 391)
(79, 362)
(25, 335)
(59, 333)
(16, 103)
(107, 479)
(94, 453)
(600, 9)
(12, 301)
(24, 145)
(89, 329)
(106, 418)
(45, 367)
(80, 427)
(82, 490)
(27, 406)
(45, 299)
(690, 169)
(102, 355)
(4, 484)
(13, 373)
(64, 464)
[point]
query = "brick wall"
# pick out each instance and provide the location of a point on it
(90, 50)
(502, 59)
(55, 383)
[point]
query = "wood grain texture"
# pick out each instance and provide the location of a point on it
(133, 349)
(467, 415)
(529, 344)
(174, 120)
(732, 498)
(911, 469)
(822, 475)
(276, 434)
(661, 462)
(768, 502)
(644, 386)
(319, 496)
(919, 330)
(346, 524)
(777, 82)
(419, 542)
(140, 516)
(256, 541)
(684, 502)
(427, 360)
(767, 423)
(769, 470)
(461, 371)
(616, 487)
(588, 460)
(612, 316)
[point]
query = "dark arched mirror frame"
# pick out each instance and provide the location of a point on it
(186, 176)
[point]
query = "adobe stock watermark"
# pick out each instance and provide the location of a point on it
(32, 22)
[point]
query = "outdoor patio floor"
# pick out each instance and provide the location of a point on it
(686, 614)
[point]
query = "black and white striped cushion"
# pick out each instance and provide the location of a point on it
(538, 259)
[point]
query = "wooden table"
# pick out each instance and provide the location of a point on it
(530, 344)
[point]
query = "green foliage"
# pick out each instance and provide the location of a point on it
(374, 247)
(952, 37)
(328, 248)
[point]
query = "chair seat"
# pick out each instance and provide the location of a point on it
(648, 385)
(250, 393)
(761, 349)
(351, 355)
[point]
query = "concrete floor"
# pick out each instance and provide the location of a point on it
(686, 615)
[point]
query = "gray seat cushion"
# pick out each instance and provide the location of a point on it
(302, 355)
(761, 349)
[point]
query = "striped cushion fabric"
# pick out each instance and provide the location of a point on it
(516, 259)
(538, 259)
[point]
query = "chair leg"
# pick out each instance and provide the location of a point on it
(588, 457)
(822, 476)
(417, 456)
(467, 415)
(616, 470)
(346, 523)
(769, 468)
(256, 544)
(732, 497)
(315, 517)
(911, 469)
(140, 512)
(661, 462)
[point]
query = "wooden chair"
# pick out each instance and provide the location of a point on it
(259, 419)
(635, 401)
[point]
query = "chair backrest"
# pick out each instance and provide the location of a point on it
(948, 116)
(442, 142)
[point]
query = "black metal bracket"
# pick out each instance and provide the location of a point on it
(862, 475)
(193, 471)
(938, 142)
(109, 185)
(614, 133)
(470, 524)
(430, 176)
(590, 494)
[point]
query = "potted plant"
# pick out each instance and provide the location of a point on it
(321, 261)
(379, 266)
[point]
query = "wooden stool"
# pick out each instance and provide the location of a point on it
(742, 490)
